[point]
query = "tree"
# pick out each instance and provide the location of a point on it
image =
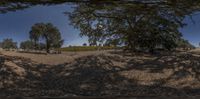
(112, 42)
(27, 45)
(49, 33)
(35, 34)
(13, 5)
(139, 24)
(9, 44)
(41, 46)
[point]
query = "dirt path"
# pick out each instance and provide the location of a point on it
(52, 59)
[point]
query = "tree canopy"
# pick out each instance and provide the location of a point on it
(49, 33)
(27, 45)
(30, 45)
(144, 24)
(13, 5)
(8, 44)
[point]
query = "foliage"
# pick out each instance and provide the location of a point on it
(41, 46)
(13, 5)
(30, 45)
(49, 33)
(142, 24)
(27, 45)
(8, 44)
(112, 42)
(185, 44)
(34, 36)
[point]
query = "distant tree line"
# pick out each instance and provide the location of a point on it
(29, 45)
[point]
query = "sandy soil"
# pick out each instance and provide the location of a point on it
(105, 73)
(52, 59)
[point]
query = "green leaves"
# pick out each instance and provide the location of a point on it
(49, 33)
(27, 45)
(139, 24)
(14, 5)
(8, 44)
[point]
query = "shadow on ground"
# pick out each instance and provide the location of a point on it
(103, 75)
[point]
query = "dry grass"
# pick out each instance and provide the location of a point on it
(52, 59)
(101, 73)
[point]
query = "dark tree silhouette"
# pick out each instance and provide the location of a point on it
(48, 32)
(8, 44)
(138, 24)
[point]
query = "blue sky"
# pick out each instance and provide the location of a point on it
(191, 32)
(17, 24)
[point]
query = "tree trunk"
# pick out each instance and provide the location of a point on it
(47, 46)
(35, 45)
(47, 50)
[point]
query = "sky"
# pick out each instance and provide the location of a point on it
(16, 25)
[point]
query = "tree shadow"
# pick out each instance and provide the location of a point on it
(183, 62)
(183, 66)
(88, 76)
(94, 75)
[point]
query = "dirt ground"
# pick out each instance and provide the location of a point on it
(104, 73)
(52, 59)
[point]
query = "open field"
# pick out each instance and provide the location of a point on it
(52, 59)
(97, 73)
(86, 48)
